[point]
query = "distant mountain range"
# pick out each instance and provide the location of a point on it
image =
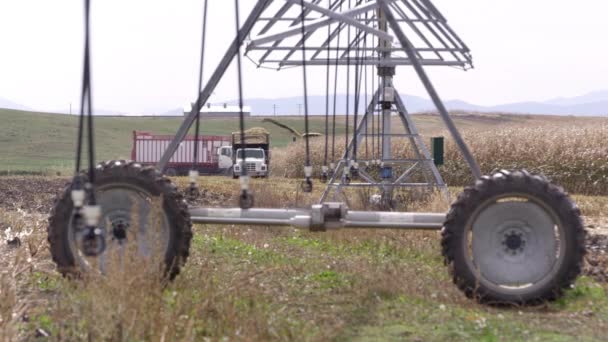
(4, 103)
(592, 104)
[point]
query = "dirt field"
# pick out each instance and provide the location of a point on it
(276, 284)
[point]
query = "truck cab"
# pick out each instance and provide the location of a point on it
(225, 157)
(251, 150)
(254, 159)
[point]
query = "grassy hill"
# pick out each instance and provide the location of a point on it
(38, 142)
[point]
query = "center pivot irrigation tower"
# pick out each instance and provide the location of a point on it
(358, 34)
(511, 237)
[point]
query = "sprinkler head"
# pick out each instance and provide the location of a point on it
(78, 219)
(193, 191)
(324, 173)
(354, 172)
(78, 193)
(346, 179)
(119, 230)
(324, 177)
(93, 242)
(78, 197)
(246, 200)
(307, 185)
(193, 175)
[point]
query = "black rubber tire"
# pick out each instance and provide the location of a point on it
(171, 172)
(146, 178)
(489, 187)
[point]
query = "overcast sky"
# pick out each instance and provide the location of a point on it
(145, 53)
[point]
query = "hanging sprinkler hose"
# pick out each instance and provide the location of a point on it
(193, 191)
(86, 213)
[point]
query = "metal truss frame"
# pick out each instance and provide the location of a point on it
(436, 43)
(392, 17)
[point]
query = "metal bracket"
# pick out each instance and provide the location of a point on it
(327, 216)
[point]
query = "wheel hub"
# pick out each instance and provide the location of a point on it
(514, 242)
(119, 229)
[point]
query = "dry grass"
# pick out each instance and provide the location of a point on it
(20, 263)
(575, 157)
(243, 283)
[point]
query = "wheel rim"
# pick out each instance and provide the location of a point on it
(514, 243)
(132, 221)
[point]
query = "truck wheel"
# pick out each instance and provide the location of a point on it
(171, 172)
(142, 213)
(513, 238)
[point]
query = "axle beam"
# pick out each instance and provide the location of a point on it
(319, 217)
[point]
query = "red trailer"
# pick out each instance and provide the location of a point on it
(148, 149)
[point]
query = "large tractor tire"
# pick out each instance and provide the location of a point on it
(514, 238)
(141, 209)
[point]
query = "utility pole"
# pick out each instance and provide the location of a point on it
(299, 109)
(70, 108)
(274, 109)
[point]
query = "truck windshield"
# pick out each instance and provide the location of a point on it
(251, 153)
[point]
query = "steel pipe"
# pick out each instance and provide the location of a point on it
(383, 219)
(303, 218)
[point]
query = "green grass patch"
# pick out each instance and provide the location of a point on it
(330, 280)
(586, 295)
(222, 246)
(411, 317)
(376, 250)
(45, 282)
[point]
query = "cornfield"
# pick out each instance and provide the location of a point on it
(574, 157)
